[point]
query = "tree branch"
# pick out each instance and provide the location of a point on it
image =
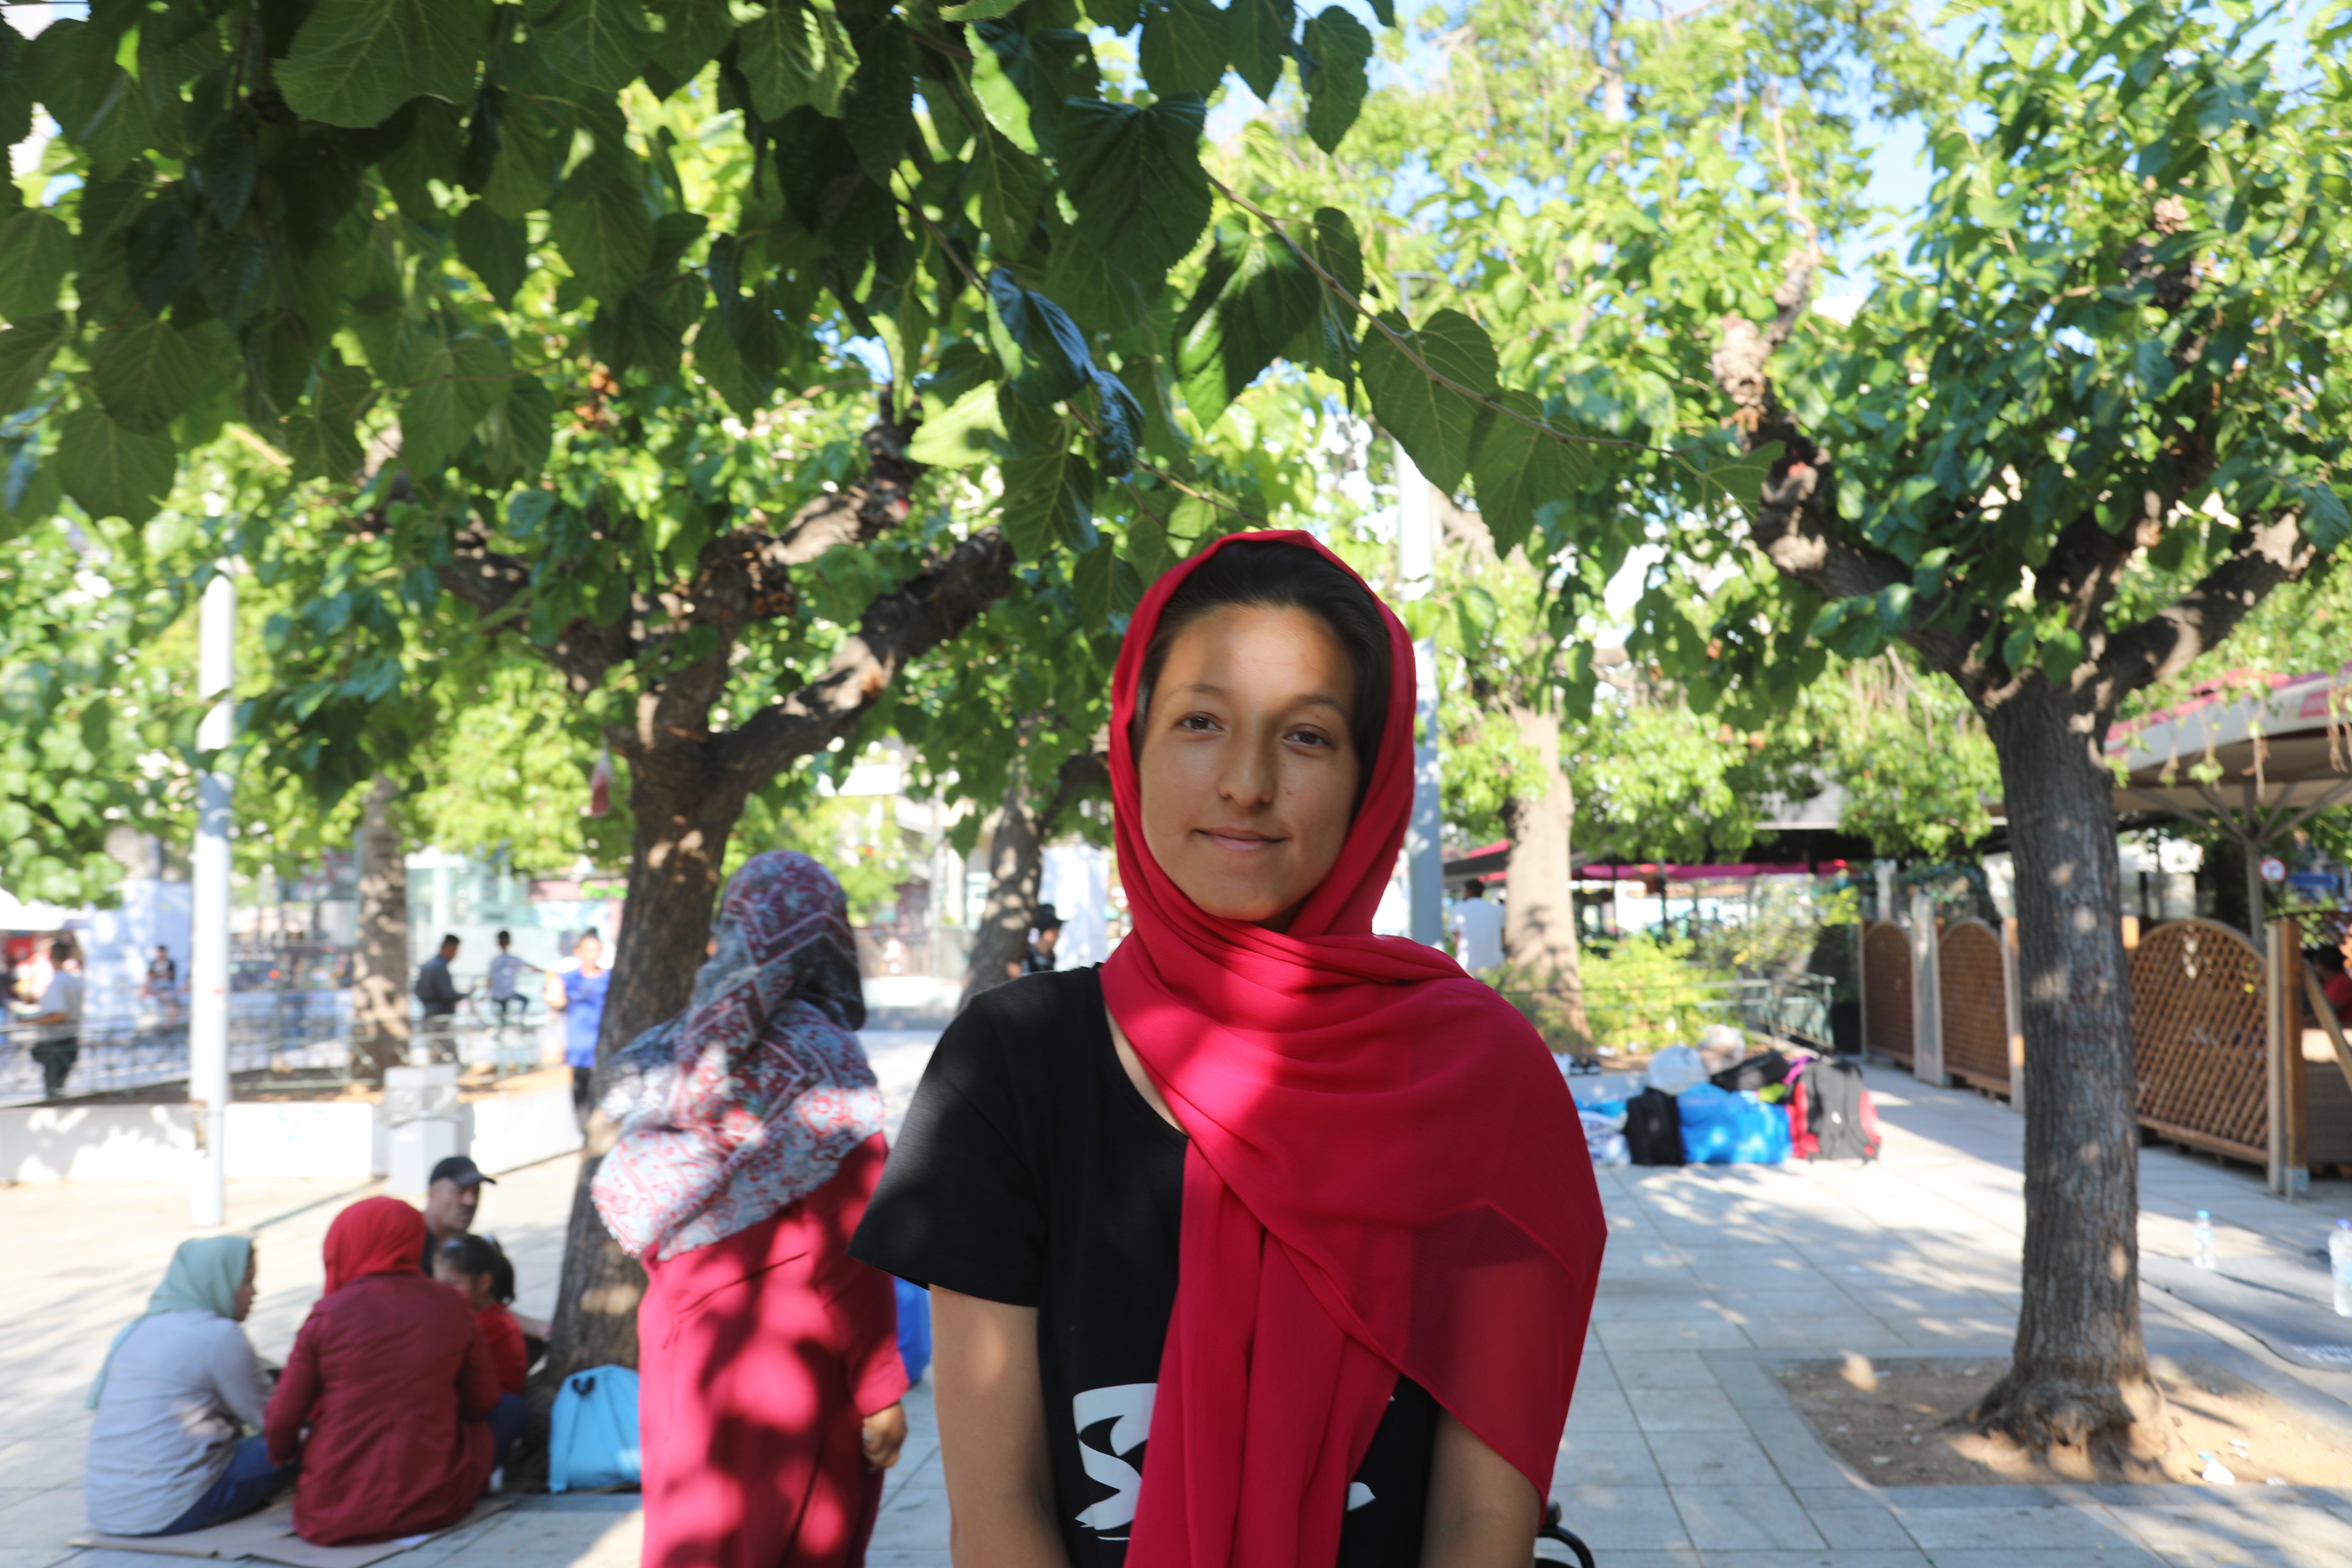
(2268, 554)
(897, 629)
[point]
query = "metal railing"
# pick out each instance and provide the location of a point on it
(298, 1039)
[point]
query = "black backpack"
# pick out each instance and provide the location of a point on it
(1761, 1071)
(1654, 1129)
(1838, 1112)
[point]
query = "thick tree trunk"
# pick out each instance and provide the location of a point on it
(684, 820)
(380, 965)
(1016, 863)
(1540, 914)
(2079, 1380)
(1016, 860)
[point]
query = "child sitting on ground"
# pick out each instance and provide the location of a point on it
(477, 1267)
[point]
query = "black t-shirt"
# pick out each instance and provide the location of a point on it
(1030, 1172)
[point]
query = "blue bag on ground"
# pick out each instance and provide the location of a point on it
(914, 1329)
(595, 1440)
(1731, 1126)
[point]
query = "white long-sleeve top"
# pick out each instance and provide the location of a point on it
(168, 1420)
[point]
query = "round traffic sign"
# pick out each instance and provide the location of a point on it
(2273, 868)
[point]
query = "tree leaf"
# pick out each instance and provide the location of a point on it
(36, 254)
(792, 53)
(1518, 471)
(146, 375)
(355, 61)
(607, 239)
(1119, 421)
(1100, 296)
(433, 418)
(979, 10)
(1042, 348)
(495, 249)
(693, 33)
(225, 166)
(1134, 175)
(1185, 43)
(1261, 41)
(1048, 497)
(1267, 300)
(878, 115)
(1339, 47)
(1329, 342)
(968, 431)
(601, 45)
(1435, 423)
(1742, 479)
(518, 434)
(1090, 584)
(161, 254)
(1006, 182)
(113, 472)
(320, 449)
(276, 346)
(25, 350)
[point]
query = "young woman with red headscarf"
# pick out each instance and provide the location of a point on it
(392, 1379)
(1302, 1212)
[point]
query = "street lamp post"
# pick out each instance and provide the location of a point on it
(209, 947)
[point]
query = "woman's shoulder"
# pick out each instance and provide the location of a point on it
(1033, 1017)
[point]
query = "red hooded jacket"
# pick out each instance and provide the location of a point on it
(392, 1379)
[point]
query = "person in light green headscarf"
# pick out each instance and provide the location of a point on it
(166, 1450)
(206, 1275)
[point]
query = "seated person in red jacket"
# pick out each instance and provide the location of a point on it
(392, 1378)
(2335, 983)
(477, 1267)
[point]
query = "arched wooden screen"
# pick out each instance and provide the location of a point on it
(1972, 991)
(2198, 1037)
(1886, 991)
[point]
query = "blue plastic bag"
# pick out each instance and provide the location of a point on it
(1727, 1127)
(595, 1440)
(914, 1329)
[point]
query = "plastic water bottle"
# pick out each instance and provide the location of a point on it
(2339, 1265)
(2200, 1251)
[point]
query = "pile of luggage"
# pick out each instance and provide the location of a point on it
(1771, 1108)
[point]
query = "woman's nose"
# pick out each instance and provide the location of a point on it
(1247, 778)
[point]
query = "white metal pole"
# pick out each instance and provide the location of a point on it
(208, 946)
(1417, 573)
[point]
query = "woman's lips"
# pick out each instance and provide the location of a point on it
(1241, 843)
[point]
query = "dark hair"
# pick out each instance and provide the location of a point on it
(60, 950)
(1476, 890)
(449, 938)
(1285, 578)
(505, 937)
(474, 1255)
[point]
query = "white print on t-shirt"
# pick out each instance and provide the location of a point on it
(1127, 1408)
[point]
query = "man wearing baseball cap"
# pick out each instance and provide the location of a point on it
(452, 1198)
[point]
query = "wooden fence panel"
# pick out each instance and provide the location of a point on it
(1886, 991)
(2198, 1037)
(1973, 998)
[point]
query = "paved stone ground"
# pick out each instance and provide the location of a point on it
(1682, 1449)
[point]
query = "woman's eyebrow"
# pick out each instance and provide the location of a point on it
(1312, 700)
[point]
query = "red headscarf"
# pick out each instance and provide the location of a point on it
(374, 1236)
(1386, 1174)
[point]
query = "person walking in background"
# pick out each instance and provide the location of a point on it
(56, 1017)
(577, 992)
(162, 986)
(1038, 957)
(165, 1453)
(1262, 1245)
(386, 1397)
(1477, 931)
(750, 1139)
(438, 992)
(506, 969)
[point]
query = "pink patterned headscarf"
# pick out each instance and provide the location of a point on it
(750, 1099)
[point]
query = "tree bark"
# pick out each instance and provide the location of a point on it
(1016, 864)
(1540, 914)
(380, 965)
(2079, 1379)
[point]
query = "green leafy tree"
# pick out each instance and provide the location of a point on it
(2063, 461)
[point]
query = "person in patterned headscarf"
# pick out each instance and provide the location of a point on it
(750, 1142)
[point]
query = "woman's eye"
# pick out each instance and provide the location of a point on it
(1310, 737)
(1196, 722)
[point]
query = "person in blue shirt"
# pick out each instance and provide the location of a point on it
(577, 991)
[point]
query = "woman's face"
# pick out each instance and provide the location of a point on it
(245, 1291)
(475, 1287)
(1247, 773)
(590, 952)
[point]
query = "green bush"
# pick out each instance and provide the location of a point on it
(1644, 994)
